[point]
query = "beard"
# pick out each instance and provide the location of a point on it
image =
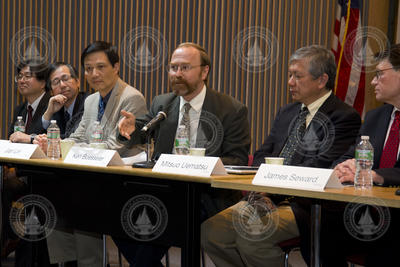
(181, 87)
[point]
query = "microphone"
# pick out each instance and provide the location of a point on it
(161, 115)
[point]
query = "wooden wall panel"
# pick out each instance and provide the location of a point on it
(214, 24)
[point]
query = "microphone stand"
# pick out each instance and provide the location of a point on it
(148, 164)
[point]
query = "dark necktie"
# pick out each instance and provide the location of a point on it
(389, 153)
(66, 117)
(101, 109)
(29, 120)
(296, 134)
(186, 119)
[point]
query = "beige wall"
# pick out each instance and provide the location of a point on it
(217, 25)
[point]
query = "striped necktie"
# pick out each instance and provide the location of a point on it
(186, 119)
(296, 134)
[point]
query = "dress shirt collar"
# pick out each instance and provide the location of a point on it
(314, 106)
(106, 98)
(70, 109)
(394, 110)
(35, 103)
(197, 102)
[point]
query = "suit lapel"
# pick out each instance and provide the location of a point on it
(380, 133)
(168, 128)
(36, 125)
(23, 111)
(289, 117)
(78, 103)
(112, 101)
(314, 129)
(326, 108)
(204, 133)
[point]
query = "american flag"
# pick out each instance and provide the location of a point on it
(349, 50)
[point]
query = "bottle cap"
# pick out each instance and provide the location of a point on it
(19, 118)
(53, 121)
(96, 122)
(364, 137)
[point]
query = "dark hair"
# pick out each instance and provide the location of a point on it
(107, 48)
(392, 54)
(321, 60)
(54, 66)
(38, 68)
(204, 57)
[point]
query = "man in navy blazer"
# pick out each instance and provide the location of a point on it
(378, 125)
(378, 121)
(331, 126)
(67, 103)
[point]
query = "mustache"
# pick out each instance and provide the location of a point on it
(174, 81)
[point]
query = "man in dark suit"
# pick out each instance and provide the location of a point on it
(217, 122)
(69, 246)
(314, 131)
(31, 84)
(66, 105)
(382, 127)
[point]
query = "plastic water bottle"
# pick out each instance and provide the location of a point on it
(182, 144)
(364, 161)
(19, 125)
(96, 136)
(53, 141)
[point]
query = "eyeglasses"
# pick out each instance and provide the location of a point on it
(295, 75)
(183, 67)
(26, 76)
(379, 73)
(65, 78)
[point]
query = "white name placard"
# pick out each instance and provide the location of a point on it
(190, 165)
(20, 151)
(93, 157)
(296, 177)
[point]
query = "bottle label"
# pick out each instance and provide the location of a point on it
(182, 142)
(97, 137)
(53, 135)
(364, 154)
(19, 129)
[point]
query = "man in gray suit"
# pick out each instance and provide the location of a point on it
(101, 64)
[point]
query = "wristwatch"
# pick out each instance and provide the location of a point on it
(33, 137)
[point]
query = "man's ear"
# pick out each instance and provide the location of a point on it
(116, 67)
(323, 79)
(204, 72)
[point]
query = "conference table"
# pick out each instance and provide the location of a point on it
(376, 196)
(91, 198)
